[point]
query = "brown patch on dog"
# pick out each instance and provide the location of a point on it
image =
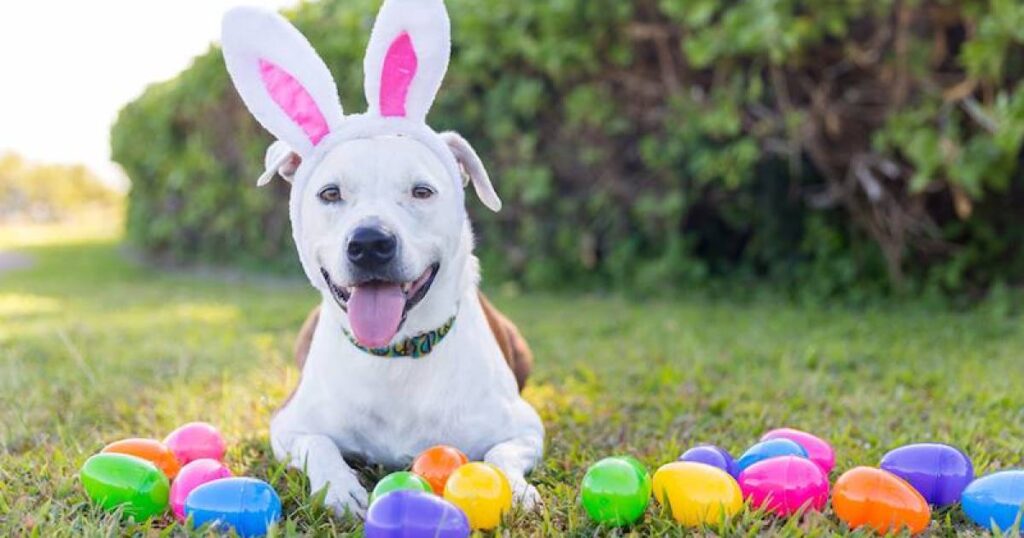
(512, 344)
(302, 344)
(305, 339)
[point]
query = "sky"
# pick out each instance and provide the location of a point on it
(67, 67)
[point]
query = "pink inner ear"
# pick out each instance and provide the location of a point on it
(396, 76)
(294, 100)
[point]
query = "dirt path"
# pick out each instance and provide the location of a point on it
(11, 261)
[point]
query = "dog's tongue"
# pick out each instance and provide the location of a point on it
(375, 311)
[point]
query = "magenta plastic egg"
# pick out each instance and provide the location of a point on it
(196, 440)
(785, 485)
(818, 450)
(191, 476)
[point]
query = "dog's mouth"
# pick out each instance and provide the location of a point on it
(377, 308)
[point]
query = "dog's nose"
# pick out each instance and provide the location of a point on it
(371, 247)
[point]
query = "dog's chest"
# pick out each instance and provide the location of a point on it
(391, 413)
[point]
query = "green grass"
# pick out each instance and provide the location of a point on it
(95, 347)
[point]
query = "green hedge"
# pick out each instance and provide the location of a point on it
(827, 146)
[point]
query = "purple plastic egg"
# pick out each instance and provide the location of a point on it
(713, 456)
(415, 514)
(785, 485)
(938, 472)
(818, 450)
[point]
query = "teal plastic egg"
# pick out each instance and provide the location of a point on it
(247, 505)
(771, 448)
(996, 500)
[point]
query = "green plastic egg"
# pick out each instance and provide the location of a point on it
(114, 480)
(616, 491)
(402, 480)
(640, 468)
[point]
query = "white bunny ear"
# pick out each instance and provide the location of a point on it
(407, 58)
(281, 79)
(473, 168)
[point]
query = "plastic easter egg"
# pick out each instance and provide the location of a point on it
(400, 481)
(877, 499)
(482, 491)
(995, 501)
(119, 480)
(938, 472)
(785, 485)
(415, 514)
(818, 450)
(196, 440)
(697, 494)
(437, 463)
(247, 505)
(641, 469)
(714, 456)
(148, 449)
(191, 476)
(771, 448)
(616, 491)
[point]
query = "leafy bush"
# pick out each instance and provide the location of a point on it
(657, 144)
(34, 192)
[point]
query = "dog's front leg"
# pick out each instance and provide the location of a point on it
(519, 455)
(319, 457)
(515, 457)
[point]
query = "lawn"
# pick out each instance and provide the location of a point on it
(95, 347)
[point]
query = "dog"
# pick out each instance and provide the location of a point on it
(403, 353)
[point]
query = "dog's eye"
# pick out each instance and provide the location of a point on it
(422, 192)
(330, 194)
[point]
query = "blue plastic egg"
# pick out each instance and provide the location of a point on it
(771, 448)
(995, 500)
(248, 505)
(713, 456)
(415, 514)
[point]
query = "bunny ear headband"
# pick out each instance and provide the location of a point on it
(290, 91)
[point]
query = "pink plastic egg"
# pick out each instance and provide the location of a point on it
(785, 485)
(191, 476)
(196, 440)
(818, 450)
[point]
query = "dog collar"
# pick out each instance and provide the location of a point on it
(414, 347)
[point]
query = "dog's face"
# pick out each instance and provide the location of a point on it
(381, 220)
(380, 230)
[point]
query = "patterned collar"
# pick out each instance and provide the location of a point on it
(414, 347)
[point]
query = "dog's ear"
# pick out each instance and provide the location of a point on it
(473, 168)
(280, 160)
(407, 58)
(279, 76)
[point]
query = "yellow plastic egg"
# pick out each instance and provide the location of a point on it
(697, 494)
(482, 491)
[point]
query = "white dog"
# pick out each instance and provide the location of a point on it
(403, 353)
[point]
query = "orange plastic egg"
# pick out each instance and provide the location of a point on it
(882, 501)
(437, 463)
(148, 449)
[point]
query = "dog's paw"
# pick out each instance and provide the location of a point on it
(345, 496)
(524, 494)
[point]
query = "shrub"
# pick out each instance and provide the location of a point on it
(33, 192)
(657, 144)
